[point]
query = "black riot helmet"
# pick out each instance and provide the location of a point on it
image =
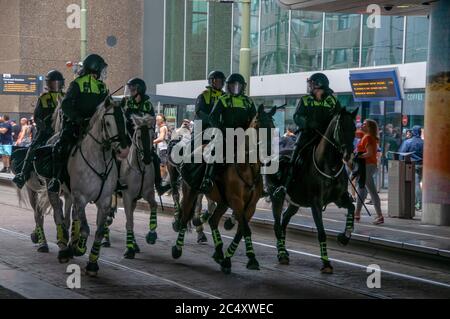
(94, 64)
(137, 86)
(318, 81)
(216, 79)
(236, 84)
(55, 81)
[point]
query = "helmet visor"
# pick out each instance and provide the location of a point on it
(235, 88)
(217, 83)
(55, 86)
(104, 74)
(131, 91)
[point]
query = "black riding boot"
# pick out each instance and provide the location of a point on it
(160, 189)
(208, 180)
(58, 156)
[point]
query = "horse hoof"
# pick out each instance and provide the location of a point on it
(129, 254)
(64, 256)
(253, 264)
(106, 244)
(151, 238)
(327, 269)
(229, 225)
(343, 240)
(176, 226)
(202, 239)
(226, 266)
(43, 248)
(34, 238)
(283, 259)
(137, 250)
(92, 269)
(176, 252)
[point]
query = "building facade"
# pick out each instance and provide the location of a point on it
(36, 38)
(287, 47)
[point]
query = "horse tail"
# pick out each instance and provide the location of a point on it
(23, 197)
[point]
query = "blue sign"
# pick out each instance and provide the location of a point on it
(376, 85)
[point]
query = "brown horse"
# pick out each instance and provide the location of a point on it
(238, 187)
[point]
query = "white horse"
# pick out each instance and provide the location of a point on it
(138, 172)
(93, 175)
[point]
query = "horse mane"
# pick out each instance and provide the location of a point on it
(146, 120)
(99, 112)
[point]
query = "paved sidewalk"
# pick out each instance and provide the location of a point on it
(404, 234)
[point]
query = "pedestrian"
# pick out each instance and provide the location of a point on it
(415, 145)
(6, 142)
(287, 142)
(161, 142)
(368, 147)
(24, 138)
(15, 131)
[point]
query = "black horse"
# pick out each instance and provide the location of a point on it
(320, 180)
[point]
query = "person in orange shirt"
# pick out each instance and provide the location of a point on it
(367, 149)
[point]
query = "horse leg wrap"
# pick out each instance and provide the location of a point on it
(153, 219)
(180, 240)
(281, 245)
(106, 232)
(40, 235)
(323, 251)
(82, 244)
(95, 252)
(205, 217)
(232, 249)
(217, 238)
(350, 224)
(62, 235)
(75, 232)
(131, 241)
(249, 247)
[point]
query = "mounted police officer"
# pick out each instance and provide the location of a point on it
(232, 110)
(43, 115)
(138, 102)
(209, 97)
(313, 114)
(83, 97)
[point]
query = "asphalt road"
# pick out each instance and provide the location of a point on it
(154, 274)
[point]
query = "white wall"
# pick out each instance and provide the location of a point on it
(295, 83)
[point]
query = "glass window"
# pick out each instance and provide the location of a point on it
(306, 41)
(219, 53)
(174, 39)
(417, 29)
(274, 40)
(342, 41)
(383, 46)
(196, 31)
(254, 26)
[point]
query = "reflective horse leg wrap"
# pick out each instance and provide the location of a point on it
(217, 238)
(62, 235)
(107, 232)
(75, 233)
(249, 247)
(40, 235)
(281, 246)
(153, 220)
(180, 240)
(324, 252)
(350, 223)
(130, 240)
(95, 252)
(233, 247)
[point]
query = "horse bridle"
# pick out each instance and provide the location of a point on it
(337, 131)
(106, 144)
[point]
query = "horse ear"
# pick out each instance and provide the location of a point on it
(355, 113)
(273, 111)
(261, 109)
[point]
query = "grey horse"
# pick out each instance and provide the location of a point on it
(93, 175)
(138, 172)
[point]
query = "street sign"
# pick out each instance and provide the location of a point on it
(376, 85)
(11, 84)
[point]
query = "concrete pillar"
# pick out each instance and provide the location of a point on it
(245, 56)
(436, 192)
